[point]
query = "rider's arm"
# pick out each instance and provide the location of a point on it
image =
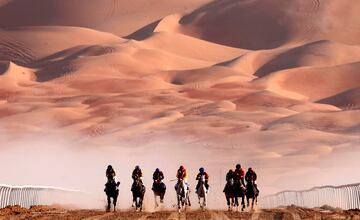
(242, 181)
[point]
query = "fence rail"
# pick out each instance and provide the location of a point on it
(344, 197)
(27, 196)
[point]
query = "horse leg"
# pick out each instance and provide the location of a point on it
(156, 203)
(134, 200)
(247, 201)
(227, 202)
(162, 197)
(205, 195)
(115, 201)
(109, 202)
(141, 202)
(188, 198)
(179, 202)
(252, 203)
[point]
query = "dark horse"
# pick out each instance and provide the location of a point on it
(159, 189)
(231, 199)
(138, 191)
(251, 193)
(240, 192)
(111, 191)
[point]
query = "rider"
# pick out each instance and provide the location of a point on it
(110, 173)
(111, 177)
(136, 174)
(158, 176)
(251, 176)
(198, 177)
(239, 175)
(181, 174)
(229, 177)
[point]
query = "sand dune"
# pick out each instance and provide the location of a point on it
(282, 22)
(28, 44)
(115, 16)
(272, 84)
(349, 99)
(314, 83)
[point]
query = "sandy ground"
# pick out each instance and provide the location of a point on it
(290, 213)
(268, 84)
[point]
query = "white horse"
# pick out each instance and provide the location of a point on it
(202, 192)
(182, 193)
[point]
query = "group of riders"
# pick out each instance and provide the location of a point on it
(236, 178)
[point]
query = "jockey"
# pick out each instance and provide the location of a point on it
(181, 174)
(110, 173)
(111, 177)
(136, 174)
(239, 175)
(251, 176)
(229, 177)
(158, 176)
(198, 177)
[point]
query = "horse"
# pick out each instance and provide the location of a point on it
(182, 193)
(138, 191)
(159, 190)
(111, 191)
(202, 192)
(251, 193)
(240, 192)
(229, 191)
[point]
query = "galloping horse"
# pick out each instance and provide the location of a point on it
(229, 191)
(182, 193)
(240, 192)
(202, 192)
(111, 191)
(251, 193)
(159, 190)
(138, 191)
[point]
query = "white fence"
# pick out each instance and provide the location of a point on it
(27, 196)
(344, 197)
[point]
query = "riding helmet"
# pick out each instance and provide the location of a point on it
(238, 166)
(201, 170)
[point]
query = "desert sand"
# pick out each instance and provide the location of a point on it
(285, 213)
(270, 84)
